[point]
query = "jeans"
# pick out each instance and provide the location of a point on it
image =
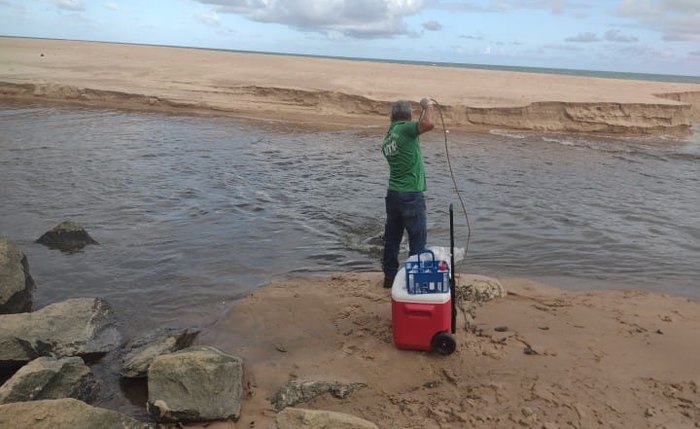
(404, 210)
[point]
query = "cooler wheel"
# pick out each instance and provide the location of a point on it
(443, 343)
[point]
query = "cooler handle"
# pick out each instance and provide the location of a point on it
(418, 310)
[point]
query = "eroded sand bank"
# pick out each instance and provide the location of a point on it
(329, 92)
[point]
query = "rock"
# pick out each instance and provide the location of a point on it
(63, 414)
(527, 411)
(75, 327)
(195, 384)
(140, 351)
(480, 289)
(50, 378)
(296, 392)
(16, 285)
(67, 237)
(531, 349)
(450, 375)
(299, 418)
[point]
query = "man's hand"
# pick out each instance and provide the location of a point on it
(425, 102)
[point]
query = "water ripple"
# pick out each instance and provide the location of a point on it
(191, 212)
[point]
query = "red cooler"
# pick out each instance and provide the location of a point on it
(421, 305)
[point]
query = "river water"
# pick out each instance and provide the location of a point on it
(192, 213)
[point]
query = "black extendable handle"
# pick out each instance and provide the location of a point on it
(452, 271)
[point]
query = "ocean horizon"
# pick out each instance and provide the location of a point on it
(522, 69)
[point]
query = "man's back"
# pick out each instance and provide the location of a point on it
(401, 148)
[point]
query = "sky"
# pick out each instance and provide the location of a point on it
(640, 36)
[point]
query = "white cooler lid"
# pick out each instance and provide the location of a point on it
(399, 292)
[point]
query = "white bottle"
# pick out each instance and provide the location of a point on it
(444, 269)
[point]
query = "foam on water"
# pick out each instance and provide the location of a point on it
(507, 133)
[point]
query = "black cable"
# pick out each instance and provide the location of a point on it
(454, 182)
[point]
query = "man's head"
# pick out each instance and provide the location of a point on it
(401, 111)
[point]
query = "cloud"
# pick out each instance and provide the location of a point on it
(74, 5)
(587, 37)
(567, 48)
(209, 18)
(695, 53)
(456, 6)
(656, 7)
(641, 51)
(432, 26)
(18, 12)
(476, 37)
(615, 36)
(112, 6)
(686, 29)
(78, 20)
(557, 7)
(677, 20)
(354, 18)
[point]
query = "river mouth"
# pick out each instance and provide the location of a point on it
(193, 213)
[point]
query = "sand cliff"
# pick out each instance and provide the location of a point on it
(330, 92)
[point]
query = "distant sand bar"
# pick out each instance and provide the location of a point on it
(330, 92)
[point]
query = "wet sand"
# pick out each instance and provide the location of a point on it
(333, 93)
(608, 359)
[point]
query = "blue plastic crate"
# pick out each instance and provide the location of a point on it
(424, 275)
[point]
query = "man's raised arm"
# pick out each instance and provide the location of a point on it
(427, 121)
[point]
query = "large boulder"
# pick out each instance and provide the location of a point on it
(50, 378)
(16, 285)
(67, 236)
(140, 351)
(299, 418)
(195, 384)
(75, 327)
(297, 392)
(63, 414)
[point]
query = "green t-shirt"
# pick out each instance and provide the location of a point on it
(401, 149)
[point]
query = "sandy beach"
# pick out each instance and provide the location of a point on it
(333, 93)
(540, 357)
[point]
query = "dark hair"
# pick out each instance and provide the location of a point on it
(401, 111)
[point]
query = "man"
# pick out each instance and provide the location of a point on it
(405, 204)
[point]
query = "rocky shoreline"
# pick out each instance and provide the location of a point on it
(46, 356)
